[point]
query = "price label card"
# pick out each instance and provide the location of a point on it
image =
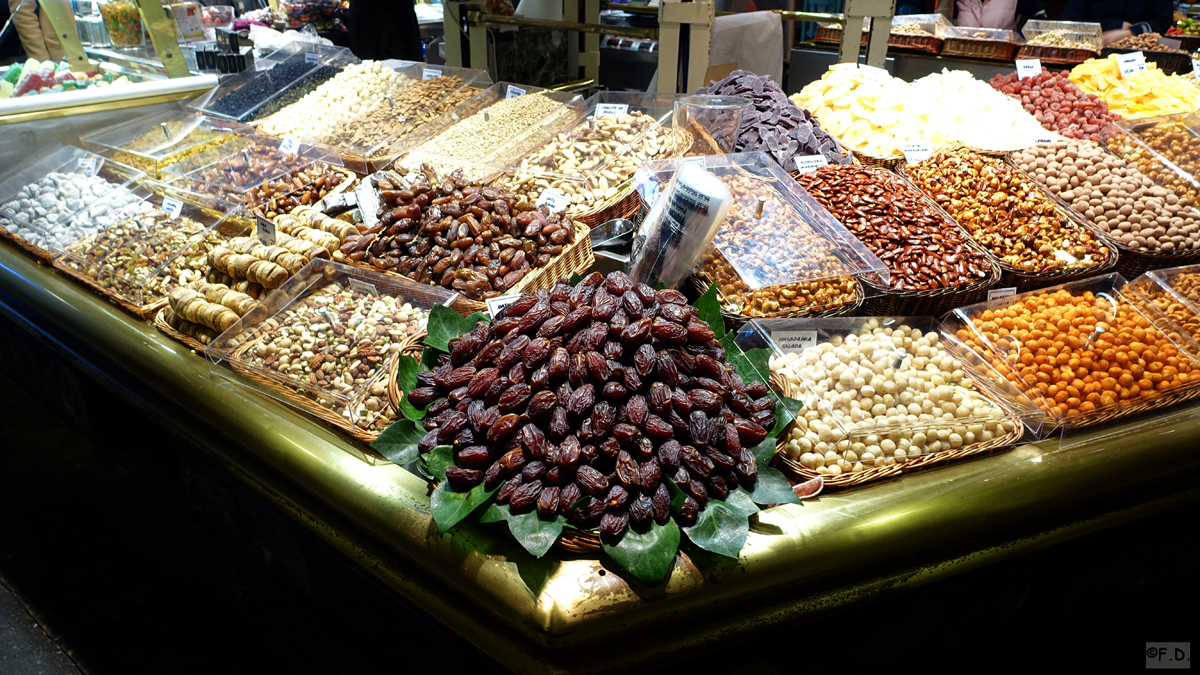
(1196, 65)
(514, 92)
(916, 151)
(265, 231)
(611, 109)
(498, 303)
(311, 57)
(998, 293)
(794, 340)
(1028, 68)
(806, 163)
(874, 74)
(188, 20)
(363, 287)
(87, 166)
(289, 146)
(172, 207)
(1043, 139)
(1132, 64)
(430, 73)
(554, 200)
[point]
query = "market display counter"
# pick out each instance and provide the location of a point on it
(562, 613)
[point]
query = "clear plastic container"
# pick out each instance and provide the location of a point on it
(260, 173)
(777, 252)
(240, 96)
(123, 21)
(935, 24)
(1114, 360)
(1073, 34)
(593, 161)
(140, 259)
(25, 207)
(1176, 138)
(982, 43)
(1175, 293)
(214, 17)
(156, 142)
(436, 89)
(335, 304)
(1122, 139)
(991, 34)
(888, 386)
(489, 129)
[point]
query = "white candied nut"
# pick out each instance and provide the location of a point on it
(883, 395)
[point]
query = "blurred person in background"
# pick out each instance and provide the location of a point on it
(999, 14)
(1120, 19)
(37, 35)
(384, 29)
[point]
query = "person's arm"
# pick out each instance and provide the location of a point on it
(1161, 18)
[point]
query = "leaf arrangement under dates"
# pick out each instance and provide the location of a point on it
(713, 503)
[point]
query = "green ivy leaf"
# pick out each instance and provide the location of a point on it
(406, 377)
(772, 487)
(446, 324)
(429, 357)
(438, 459)
(785, 411)
(398, 442)
(649, 555)
(660, 285)
(677, 496)
(752, 364)
(741, 503)
(574, 279)
(710, 311)
(449, 507)
(765, 451)
(719, 529)
(533, 533)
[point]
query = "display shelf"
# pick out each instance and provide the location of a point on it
(562, 616)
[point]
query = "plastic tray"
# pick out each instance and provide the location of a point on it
(582, 183)
(1175, 293)
(1110, 319)
(373, 143)
(1171, 63)
(810, 257)
(453, 148)
(285, 67)
(1086, 33)
(249, 343)
(148, 145)
(1148, 130)
(1121, 140)
(893, 367)
(15, 214)
(232, 169)
(171, 249)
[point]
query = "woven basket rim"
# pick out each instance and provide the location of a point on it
(160, 322)
(32, 249)
(144, 312)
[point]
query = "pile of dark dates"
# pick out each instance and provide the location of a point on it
(479, 241)
(583, 401)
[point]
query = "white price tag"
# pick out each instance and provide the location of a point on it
(806, 163)
(1196, 65)
(554, 200)
(1132, 64)
(874, 74)
(265, 231)
(188, 20)
(172, 207)
(430, 73)
(494, 305)
(514, 92)
(1043, 139)
(916, 151)
(289, 146)
(611, 109)
(794, 340)
(998, 293)
(360, 286)
(87, 166)
(1028, 68)
(311, 57)
(368, 62)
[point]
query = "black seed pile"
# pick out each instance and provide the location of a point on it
(295, 92)
(584, 401)
(241, 100)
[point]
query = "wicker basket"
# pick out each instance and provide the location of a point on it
(35, 251)
(301, 401)
(994, 50)
(801, 473)
(1056, 56)
(1131, 262)
(143, 312)
(832, 35)
(1024, 280)
(412, 347)
(160, 322)
(1188, 43)
(915, 43)
(1171, 63)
